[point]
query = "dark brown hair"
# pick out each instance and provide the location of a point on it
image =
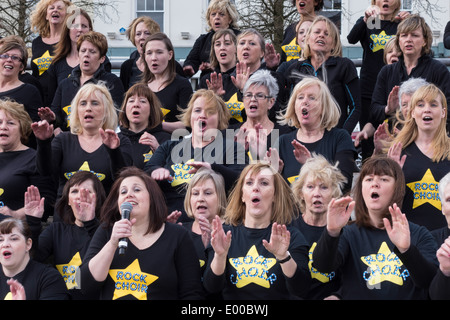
(142, 90)
(377, 165)
(158, 211)
(63, 207)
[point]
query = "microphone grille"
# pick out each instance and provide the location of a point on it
(126, 206)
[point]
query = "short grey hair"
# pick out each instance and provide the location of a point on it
(263, 78)
(409, 87)
(442, 185)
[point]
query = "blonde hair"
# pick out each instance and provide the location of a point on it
(389, 46)
(330, 109)
(336, 51)
(152, 26)
(224, 6)
(409, 133)
(202, 175)
(411, 23)
(100, 91)
(285, 208)
(319, 169)
(215, 104)
(38, 20)
(396, 11)
(17, 111)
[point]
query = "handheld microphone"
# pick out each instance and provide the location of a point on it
(125, 210)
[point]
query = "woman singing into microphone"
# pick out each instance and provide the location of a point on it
(160, 261)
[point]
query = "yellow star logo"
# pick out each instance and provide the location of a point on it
(292, 50)
(165, 111)
(292, 179)
(322, 277)
(236, 107)
(426, 190)
(379, 41)
(384, 266)
(69, 271)
(131, 281)
(148, 155)
(253, 268)
(181, 173)
(43, 62)
(1, 191)
(67, 110)
(84, 167)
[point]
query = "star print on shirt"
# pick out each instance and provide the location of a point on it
(379, 41)
(426, 191)
(131, 281)
(69, 271)
(292, 50)
(322, 277)
(235, 107)
(253, 268)
(85, 167)
(148, 156)
(181, 173)
(43, 62)
(67, 110)
(384, 266)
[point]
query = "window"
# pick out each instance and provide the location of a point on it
(406, 5)
(332, 10)
(152, 8)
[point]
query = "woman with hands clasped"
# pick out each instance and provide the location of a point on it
(67, 240)
(256, 255)
(381, 254)
(161, 256)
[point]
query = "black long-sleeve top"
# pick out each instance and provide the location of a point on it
(225, 156)
(40, 281)
(167, 270)
(67, 245)
(252, 272)
(62, 156)
(373, 268)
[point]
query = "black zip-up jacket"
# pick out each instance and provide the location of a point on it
(342, 79)
(395, 74)
(69, 87)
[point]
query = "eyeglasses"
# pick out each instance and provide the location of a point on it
(13, 58)
(258, 96)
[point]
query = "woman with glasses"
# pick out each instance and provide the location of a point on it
(258, 131)
(13, 60)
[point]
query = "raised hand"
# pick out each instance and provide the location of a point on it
(149, 140)
(398, 230)
(301, 153)
(280, 238)
(339, 211)
(242, 75)
(219, 240)
(215, 83)
(42, 129)
(395, 153)
(33, 203)
(110, 138)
